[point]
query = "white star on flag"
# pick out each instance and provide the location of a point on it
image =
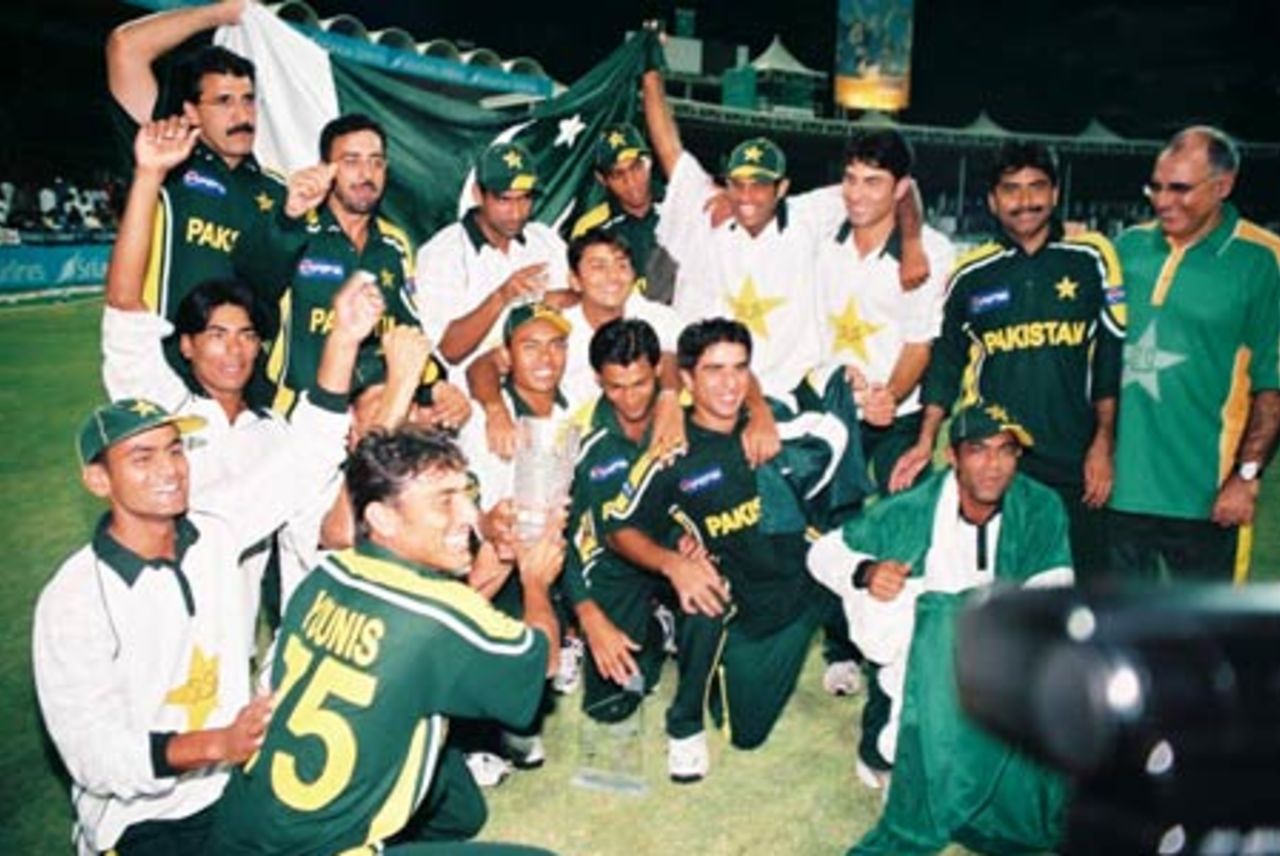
(569, 130)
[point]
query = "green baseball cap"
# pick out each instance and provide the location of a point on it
(986, 419)
(758, 158)
(618, 144)
(527, 312)
(506, 166)
(119, 420)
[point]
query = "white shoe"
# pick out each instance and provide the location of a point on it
(688, 760)
(569, 673)
(842, 678)
(666, 618)
(487, 769)
(524, 753)
(874, 779)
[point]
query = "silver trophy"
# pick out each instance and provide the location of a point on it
(546, 451)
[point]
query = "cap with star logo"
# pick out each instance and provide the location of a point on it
(757, 159)
(506, 166)
(986, 419)
(618, 144)
(528, 312)
(120, 420)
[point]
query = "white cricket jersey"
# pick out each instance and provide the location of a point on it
(767, 282)
(457, 269)
(128, 650)
(579, 384)
(865, 316)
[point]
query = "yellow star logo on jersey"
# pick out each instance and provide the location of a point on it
(616, 139)
(998, 413)
(264, 201)
(387, 278)
(1067, 288)
(513, 160)
(852, 331)
(753, 153)
(199, 695)
(751, 309)
(144, 408)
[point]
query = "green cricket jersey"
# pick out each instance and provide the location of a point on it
(1042, 334)
(712, 494)
(325, 257)
(374, 655)
(605, 460)
(214, 222)
(1203, 328)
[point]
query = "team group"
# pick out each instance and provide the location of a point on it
(760, 379)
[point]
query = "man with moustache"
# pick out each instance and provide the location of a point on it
(341, 233)
(1200, 400)
(217, 207)
(1035, 319)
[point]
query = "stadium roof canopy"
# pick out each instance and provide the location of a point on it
(778, 60)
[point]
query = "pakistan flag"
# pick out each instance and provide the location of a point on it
(951, 780)
(433, 140)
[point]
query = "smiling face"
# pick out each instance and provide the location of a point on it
(227, 115)
(1187, 193)
(1023, 201)
(605, 276)
(538, 350)
(718, 384)
(222, 355)
(869, 194)
(632, 390)
(143, 476)
(755, 201)
(429, 521)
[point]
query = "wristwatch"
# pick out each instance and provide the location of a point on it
(1249, 470)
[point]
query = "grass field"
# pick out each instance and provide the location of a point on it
(796, 795)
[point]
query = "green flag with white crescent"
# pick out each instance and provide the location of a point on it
(433, 140)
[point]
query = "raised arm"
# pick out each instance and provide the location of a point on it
(664, 136)
(157, 148)
(134, 45)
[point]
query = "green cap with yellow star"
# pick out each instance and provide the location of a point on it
(529, 312)
(618, 144)
(986, 419)
(119, 420)
(506, 166)
(757, 159)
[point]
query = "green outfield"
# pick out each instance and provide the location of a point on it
(796, 795)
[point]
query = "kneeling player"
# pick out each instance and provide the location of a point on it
(380, 645)
(713, 495)
(613, 598)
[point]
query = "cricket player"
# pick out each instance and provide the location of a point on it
(380, 647)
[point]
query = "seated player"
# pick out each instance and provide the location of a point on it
(381, 645)
(613, 599)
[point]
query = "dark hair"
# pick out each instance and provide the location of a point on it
(348, 124)
(622, 342)
(1024, 154)
(886, 149)
(214, 59)
(1224, 154)
(194, 310)
(699, 336)
(384, 461)
(590, 238)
